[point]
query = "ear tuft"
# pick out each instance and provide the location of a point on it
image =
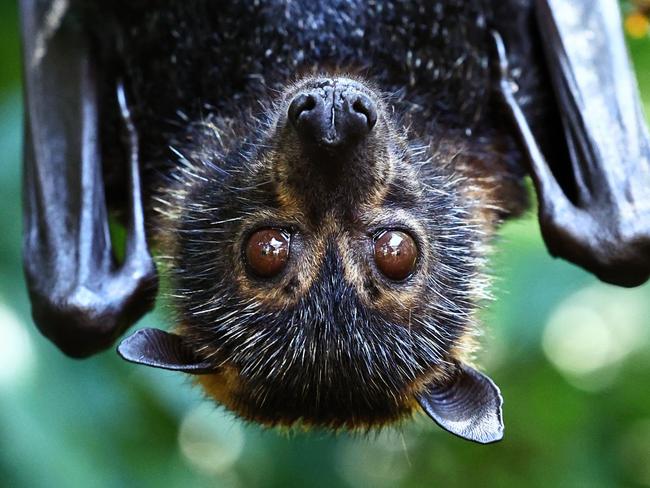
(160, 349)
(470, 406)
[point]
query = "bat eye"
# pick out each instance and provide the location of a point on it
(395, 254)
(267, 252)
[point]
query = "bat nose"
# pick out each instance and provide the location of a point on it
(334, 114)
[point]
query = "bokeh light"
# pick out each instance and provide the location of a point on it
(210, 440)
(17, 354)
(593, 330)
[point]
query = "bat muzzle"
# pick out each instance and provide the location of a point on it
(332, 143)
(335, 114)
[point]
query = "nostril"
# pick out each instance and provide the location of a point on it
(335, 116)
(302, 103)
(365, 106)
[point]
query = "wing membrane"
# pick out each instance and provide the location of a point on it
(81, 298)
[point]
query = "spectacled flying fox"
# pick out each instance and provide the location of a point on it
(321, 181)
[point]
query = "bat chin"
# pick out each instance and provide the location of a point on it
(458, 398)
(334, 409)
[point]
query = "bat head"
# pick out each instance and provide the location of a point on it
(326, 271)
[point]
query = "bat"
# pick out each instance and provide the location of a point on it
(320, 183)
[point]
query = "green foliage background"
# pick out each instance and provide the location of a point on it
(572, 357)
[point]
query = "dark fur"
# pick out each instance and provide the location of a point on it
(211, 81)
(186, 61)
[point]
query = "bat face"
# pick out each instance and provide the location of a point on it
(326, 260)
(332, 272)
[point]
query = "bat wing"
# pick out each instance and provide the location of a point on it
(604, 225)
(82, 299)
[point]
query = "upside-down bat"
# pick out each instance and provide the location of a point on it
(321, 181)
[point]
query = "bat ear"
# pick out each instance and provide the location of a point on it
(160, 349)
(469, 406)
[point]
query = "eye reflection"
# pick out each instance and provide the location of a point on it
(395, 254)
(267, 252)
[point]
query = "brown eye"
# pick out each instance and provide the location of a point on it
(395, 254)
(267, 252)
